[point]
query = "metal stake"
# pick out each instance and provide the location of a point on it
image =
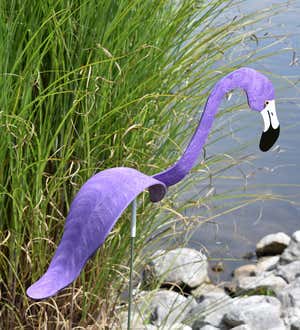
(132, 237)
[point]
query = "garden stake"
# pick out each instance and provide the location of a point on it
(132, 237)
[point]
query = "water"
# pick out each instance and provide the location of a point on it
(231, 236)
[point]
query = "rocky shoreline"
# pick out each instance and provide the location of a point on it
(261, 296)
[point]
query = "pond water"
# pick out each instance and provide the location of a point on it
(231, 236)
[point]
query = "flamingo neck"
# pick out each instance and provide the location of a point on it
(241, 78)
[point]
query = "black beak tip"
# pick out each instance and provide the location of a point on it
(268, 138)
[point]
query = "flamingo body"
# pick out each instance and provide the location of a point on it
(93, 213)
(104, 197)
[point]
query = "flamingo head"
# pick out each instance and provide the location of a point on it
(271, 126)
(261, 98)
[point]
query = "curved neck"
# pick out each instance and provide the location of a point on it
(241, 78)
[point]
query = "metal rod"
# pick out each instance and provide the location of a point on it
(132, 237)
(72, 306)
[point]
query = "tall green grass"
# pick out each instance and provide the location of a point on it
(88, 85)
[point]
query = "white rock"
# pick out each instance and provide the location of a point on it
(264, 280)
(258, 312)
(242, 327)
(178, 326)
(291, 317)
(147, 327)
(183, 265)
(296, 324)
(208, 327)
(163, 307)
(290, 295)
(206, 288)
(288, 271)
(272, 244)
(245, 270)
(292, 252)
(175, 326)
(209, 311)
(137, 321)
(266, 264)
(296, 236)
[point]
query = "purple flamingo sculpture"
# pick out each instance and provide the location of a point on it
(102, 199)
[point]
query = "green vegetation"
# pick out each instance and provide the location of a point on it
(88, 85)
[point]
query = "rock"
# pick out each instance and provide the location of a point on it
(147, 327)
(218, 267)
(242, 327)
(179, 326)
(263, 281)
(296, 324)
(289, 272)
(175, 326)
(245, 270)
(209, 327)
(180, 266)
(230, 288)
(292, 252)
(257, 312)
(291, 317)
(209, 311)
(163, 307)
(206, 288)
(137, 321)
(266, 264)
(272, 244)
(290, 295)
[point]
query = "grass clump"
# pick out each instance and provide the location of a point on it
(86, 86)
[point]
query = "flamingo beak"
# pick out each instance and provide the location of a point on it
(271, 126)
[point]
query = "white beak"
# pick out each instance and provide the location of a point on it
(271, 126)
(269, 116)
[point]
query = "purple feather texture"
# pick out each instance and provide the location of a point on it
(104, 197)
(93, 213)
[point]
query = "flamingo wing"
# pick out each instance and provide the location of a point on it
(93, 213)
